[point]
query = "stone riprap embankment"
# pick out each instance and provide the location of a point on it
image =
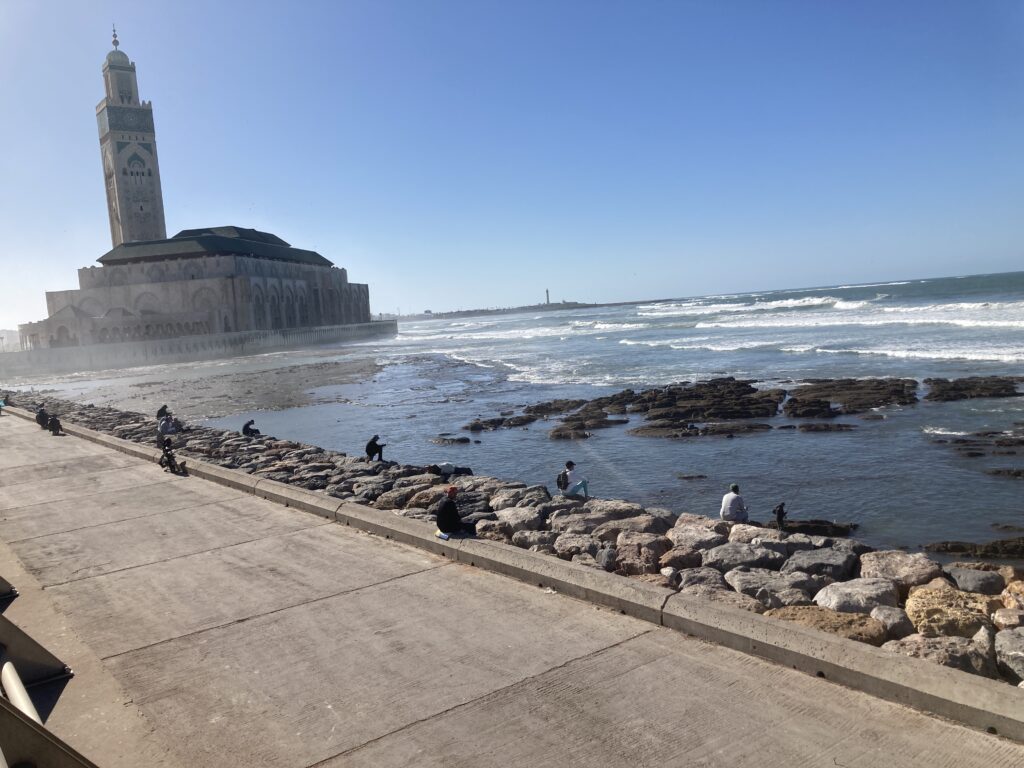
(969, 615)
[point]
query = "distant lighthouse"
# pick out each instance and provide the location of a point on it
(547, 296)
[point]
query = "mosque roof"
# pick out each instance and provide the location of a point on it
(212, 241)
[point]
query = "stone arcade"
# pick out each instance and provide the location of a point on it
(220, 280)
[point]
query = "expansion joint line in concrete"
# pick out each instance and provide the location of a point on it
(179, 557)
(233, 622)
(126, 519)
(481, 697)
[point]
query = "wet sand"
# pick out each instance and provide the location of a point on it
(200, 392)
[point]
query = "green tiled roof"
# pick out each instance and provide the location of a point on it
(214, 241)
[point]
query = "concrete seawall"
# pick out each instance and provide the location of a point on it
(974, 701)
(183, 349)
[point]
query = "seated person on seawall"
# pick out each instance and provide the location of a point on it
(53, 424)
(374, 448)
(448, 519)
(42, 417)
(249, 430)
(577, 484)
(734, 509)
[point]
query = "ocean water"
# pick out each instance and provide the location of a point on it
(889, 476)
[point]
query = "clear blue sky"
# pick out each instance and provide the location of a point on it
(466, 153)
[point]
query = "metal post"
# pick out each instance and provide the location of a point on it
(14, 690)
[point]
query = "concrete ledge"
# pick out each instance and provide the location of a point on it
(232, 478)
(628, 596)
(291, 496)
(976, 701)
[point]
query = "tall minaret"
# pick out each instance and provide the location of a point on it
(128, 146)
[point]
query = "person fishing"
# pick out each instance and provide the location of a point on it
(249, 430)
(164, 411)
(734, 509)
(375, 449)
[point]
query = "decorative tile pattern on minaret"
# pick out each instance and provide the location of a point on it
(128, 146)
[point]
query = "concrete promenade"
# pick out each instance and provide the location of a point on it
(210, 627)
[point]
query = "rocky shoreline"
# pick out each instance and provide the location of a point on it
(969, 616)
(729, 407)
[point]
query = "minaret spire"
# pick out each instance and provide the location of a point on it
(116, 43)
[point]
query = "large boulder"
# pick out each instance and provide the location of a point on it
(640, 524)
(732, 555)
(528, 538)
(895, 620)
(755, 581)
(520, 497)
(1008, 618)
(640, 552)
(858, 595)
(569, 545)
(1013, 595)
(687, 520)
(745, 534)
(1010, 654)
(520, 518)
(681, 558)
(427, 497)
(796, 542)
(492, 529)
(695, 537)
(906, 570)
(956, 652)
(593, 514)
(723, 596)
(702, 577)
(853, 626)
(833, 563)
(974, 580)
(395, 499)
(936, 612)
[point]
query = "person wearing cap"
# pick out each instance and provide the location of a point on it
(375, 449)
(734, 509)
(577, 483)
(448, 519)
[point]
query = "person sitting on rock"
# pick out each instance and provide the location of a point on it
(734, 509)
(164, 411)
(375, 449)
(53, 424)
(249, 430)
(577, 486)
(448, 519)
(42, 417)
(167, 459)
(166, 426)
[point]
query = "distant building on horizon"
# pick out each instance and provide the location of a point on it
(200, 281)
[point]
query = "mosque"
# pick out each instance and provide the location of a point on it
(198, 283)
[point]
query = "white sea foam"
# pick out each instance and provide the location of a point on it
(677, 309)
(989, 355)
(943, 431)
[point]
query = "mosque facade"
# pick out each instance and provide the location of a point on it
(199, 282)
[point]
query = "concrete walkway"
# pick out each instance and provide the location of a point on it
(210, 627)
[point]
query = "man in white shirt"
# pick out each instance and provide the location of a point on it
(733, 507)
(578, 485)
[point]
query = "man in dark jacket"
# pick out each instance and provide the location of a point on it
(374, 448)
(448, 519)
(42, 418)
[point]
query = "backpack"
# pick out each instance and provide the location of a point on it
(562, 481)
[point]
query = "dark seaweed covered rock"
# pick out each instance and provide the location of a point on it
(999, 548)
(945, 390)
(858, 395)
